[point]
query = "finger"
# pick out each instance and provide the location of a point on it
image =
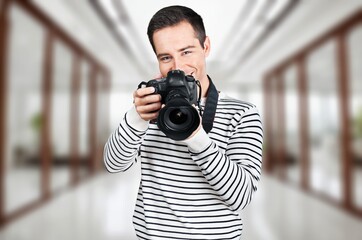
(149, 108)
(148, 99)
(149, 116)
(143, 91)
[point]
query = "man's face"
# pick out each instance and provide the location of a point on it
(177, 47)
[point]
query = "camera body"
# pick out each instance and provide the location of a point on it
(176, 84)
(178, 119)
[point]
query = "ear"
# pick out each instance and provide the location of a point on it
(207, 46)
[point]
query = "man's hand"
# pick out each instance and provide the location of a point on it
(198, 129)
(146, 103)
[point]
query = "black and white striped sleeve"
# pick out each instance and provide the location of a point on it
(121, 149)
(232, 173)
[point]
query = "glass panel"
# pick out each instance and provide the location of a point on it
(324, 126)
(102, 117)
(24, 111)
(355, 53)
(275, 145)
(60, 116)
(84, 120)
(292, 143)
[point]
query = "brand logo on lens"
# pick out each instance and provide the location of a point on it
(178, 119)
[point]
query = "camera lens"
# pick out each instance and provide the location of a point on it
(177, 116)
(178, 119)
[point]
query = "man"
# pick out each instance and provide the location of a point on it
(193, 188)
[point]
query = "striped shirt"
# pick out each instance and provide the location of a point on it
(191, 189)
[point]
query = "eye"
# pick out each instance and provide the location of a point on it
(187, 52)
(165, 59)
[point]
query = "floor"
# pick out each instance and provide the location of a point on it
(102, 208)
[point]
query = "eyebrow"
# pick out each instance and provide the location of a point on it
(180, 50)
(183, 49)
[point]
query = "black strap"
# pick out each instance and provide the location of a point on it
(210, 107)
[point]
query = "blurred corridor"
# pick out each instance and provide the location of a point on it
(101, 209)
(67, 73)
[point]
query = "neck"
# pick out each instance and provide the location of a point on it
(205, 83)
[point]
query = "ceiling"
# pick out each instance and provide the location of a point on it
(236, 29)
(109, 28)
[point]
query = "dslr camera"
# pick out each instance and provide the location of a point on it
(178, 119)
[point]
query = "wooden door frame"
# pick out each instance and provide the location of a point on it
(338, 33)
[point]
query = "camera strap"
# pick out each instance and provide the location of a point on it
(208, 115)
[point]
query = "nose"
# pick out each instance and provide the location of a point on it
(177, 64)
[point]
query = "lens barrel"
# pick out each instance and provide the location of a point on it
(178, 119)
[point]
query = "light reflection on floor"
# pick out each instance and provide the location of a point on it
(102, 209)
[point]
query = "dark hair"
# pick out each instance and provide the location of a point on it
(173, 15)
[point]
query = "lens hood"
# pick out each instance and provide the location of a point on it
(178, 119)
